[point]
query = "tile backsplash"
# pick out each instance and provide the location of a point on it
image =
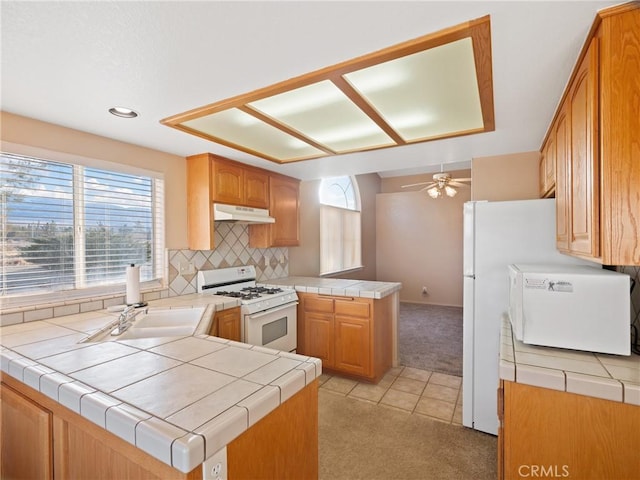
(232, 250)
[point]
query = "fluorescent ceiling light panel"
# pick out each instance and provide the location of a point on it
(438, 93)
(322, 112)
(436, 86)
(236, 127)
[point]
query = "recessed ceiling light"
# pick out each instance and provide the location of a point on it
(123, 112)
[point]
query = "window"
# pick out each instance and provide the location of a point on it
(67, 227)
(340, 230)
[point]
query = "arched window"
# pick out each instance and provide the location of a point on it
(340, 228)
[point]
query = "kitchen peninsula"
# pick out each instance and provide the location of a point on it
(351, 325)
(154, 407)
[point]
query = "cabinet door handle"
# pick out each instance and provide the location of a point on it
(337, 297)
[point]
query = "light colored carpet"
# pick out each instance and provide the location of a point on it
(359, 440)
(430, 337)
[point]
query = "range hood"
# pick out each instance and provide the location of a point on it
(238, 214)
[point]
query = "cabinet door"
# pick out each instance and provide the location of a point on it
(353, 345)
(229, 324)
(26, 437)
(319, 337)
(256, 189)
(284, 207)
(547, 166)
(541, 175)
(563, 184)
(227, 183)
(583, 103)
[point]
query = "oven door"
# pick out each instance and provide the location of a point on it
(274, 328)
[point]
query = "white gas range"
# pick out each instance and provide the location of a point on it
(269, 315)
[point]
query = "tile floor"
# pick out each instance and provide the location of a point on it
(420, 392)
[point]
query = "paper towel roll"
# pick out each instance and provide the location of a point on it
(133, 284)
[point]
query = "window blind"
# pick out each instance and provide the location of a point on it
(67, 227)
(340, 239)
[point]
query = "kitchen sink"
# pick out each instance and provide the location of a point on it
(158, 322)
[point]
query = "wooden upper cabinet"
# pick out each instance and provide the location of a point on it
(236, 184)
(256, 188)
(213, 179)
(284, 206)
(597, 133)
(620, 135)
(227, 182)
(547, 167)
(562, 180)
(584, 204)
(200, 233)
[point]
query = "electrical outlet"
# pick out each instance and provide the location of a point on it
(424, 291)
(215, 467)
(186, 268)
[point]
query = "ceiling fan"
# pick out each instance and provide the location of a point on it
(442, 184)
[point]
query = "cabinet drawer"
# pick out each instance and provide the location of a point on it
(316, 304)
(352, 308)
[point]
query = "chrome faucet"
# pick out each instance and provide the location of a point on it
(124, 320)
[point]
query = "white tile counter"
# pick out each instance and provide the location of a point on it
(180, 399)
(338, 286)
(611, 377)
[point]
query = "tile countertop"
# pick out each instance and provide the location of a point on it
(611, 377)
(180, 399)
(338, 286)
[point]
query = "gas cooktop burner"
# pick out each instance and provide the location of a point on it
(265, 290)
(240, 295)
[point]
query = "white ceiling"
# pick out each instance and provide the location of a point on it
(68, 62)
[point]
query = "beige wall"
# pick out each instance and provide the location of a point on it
(506, 177)
(305, 259)
(419, 240)
(33, 133)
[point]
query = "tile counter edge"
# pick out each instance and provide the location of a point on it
(337, 286)
(608, 377)
(178, 447)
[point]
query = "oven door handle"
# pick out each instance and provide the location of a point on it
(272, 310)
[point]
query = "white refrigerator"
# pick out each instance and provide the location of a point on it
(497, 234)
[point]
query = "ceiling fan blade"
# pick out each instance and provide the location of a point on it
(461, 179)
(414, 184)
(427, 187)
(456, 184)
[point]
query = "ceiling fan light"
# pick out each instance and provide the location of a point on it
(451, 192)
(434, 192)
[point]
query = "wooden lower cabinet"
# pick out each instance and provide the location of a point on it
(551, 434)
(41, 439)
(226, 324)
(351, 335)
(319, 337)
(27, 446)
